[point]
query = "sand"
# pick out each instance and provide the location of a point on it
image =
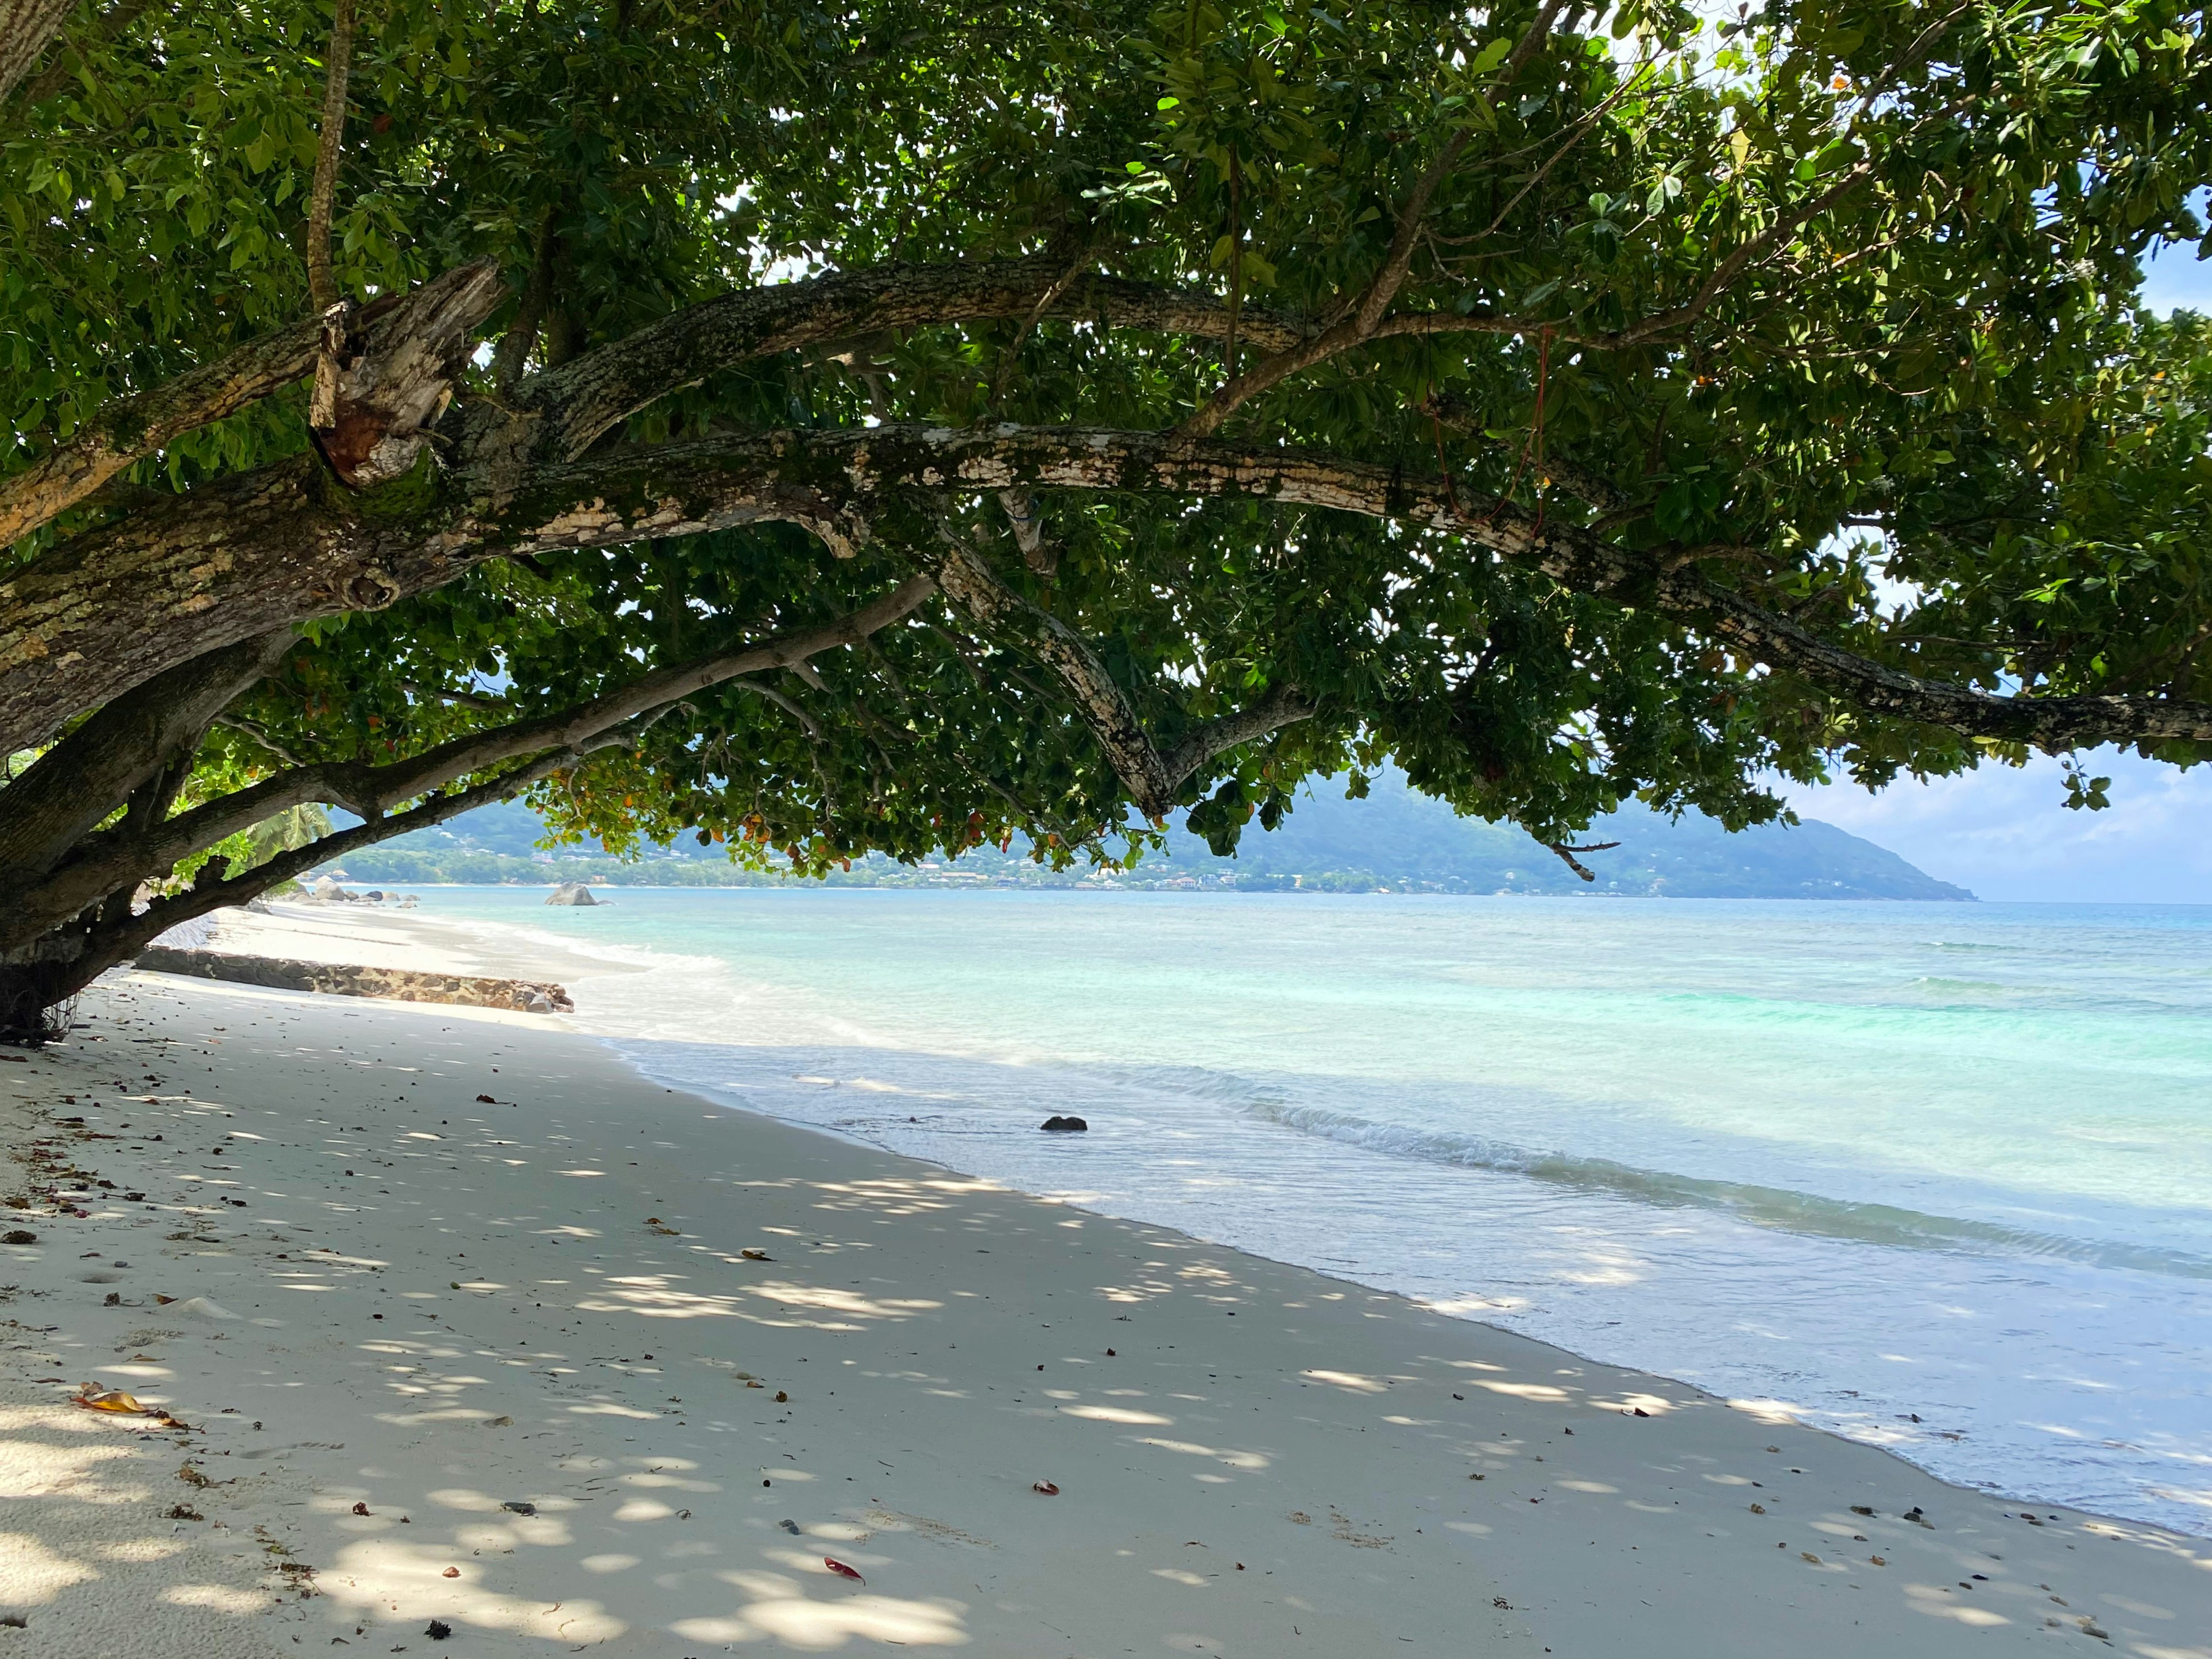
(493, 1363)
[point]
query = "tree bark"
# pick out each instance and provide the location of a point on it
(37, 901)
(380, 374)
(1152, 779)
(27, 27)
(246, 555)
(74, 956)
(322, 287)
(593, 392)
(66, 792)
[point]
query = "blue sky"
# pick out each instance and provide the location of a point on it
(2007, 834)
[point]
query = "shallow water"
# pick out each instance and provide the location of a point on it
(1863, 1161)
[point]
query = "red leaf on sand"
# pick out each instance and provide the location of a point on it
(1046, 1488)
(841, 1569)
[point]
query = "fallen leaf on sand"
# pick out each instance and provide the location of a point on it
(1877, 1560)
(791, 1527)
(360, 1509)
(841, 1569)
(486, 1100)
(1046, 1488)
(95, 1398)
(193, 1477)
(756, 1255)
(451, 1572)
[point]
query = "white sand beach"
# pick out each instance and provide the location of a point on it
(475, 1330)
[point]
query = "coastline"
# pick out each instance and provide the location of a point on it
(906, 1312)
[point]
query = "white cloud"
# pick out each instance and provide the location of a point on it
(2007, 834)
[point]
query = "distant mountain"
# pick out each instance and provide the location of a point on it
(1394, 839)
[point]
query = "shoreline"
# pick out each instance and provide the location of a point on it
(1597, 1277)
(1325, 1439)
(512, 946)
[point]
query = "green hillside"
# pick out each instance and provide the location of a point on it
(1394, 839)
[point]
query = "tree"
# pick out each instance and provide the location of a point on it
(889, 426)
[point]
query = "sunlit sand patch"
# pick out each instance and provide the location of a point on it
(819, 1625)
(372, 1576)
(1236, 1460)
(1116, 1414)
(1652, 1405)
(30, 1573)
(1932, 1599)
(1775, 1413)
(1463, 1307)
(1350, 1380)
(1523, 1390)
(216, 1598)
(142, 1549)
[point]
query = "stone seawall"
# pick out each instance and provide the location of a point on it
(341, 979)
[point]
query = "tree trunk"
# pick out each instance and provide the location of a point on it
(25, 28)
(69, 958)
(67, 792)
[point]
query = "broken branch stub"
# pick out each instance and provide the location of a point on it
(381, 382)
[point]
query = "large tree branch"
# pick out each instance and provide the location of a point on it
(250, 554)
(382, 374)
(131, 428)
(587, 397)
(106, 863)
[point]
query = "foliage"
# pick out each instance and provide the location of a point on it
(1829, 303)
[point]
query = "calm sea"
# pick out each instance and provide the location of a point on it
(1865, 1162)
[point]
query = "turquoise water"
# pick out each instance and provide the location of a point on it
(1861, 1161)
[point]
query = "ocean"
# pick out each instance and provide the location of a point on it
(1933, 1176)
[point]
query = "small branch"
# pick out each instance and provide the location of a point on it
(1151, 778)
(511, 355)
(469, 699)
(322, 289)
(1365, 315)
(1022, 511)
(238, 723)
(1046, 300)
(1575, 864)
